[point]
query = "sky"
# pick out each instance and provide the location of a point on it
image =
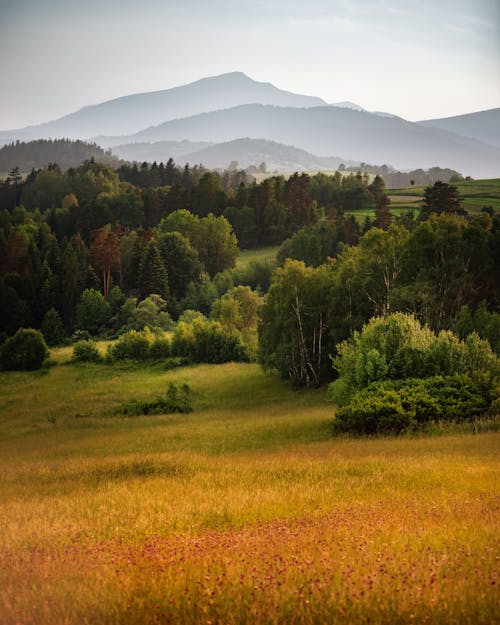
(418, 59)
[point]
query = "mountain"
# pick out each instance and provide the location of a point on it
(159, 151)
(327, 130)
(131, 113)
(348, 105)
(483, 125)
(247, 152)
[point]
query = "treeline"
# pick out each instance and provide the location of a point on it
(81, 200)
(419, 177)
(25, 156)
(444, 271)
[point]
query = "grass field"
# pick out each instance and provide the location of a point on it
(262, 254)
(475, 194)
(245, 511)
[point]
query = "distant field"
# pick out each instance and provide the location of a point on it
(245, 511)
(475, 194)
(262, 254)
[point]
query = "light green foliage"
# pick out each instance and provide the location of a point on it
(396, 373)
(293, 325)
(238, 309)
(208, 341)
(25, 351)
(86, 351)
(133, 345)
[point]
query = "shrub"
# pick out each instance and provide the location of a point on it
(25, 351)
(398, 347)
(373, 413)
(177, 400)
(86, 351)
(133, 344)
(394, 406)
(159, 348)
(208, 341)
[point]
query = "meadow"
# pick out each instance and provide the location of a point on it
(245, 511)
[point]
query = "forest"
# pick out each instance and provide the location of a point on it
(94, 252)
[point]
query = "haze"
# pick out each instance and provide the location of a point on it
(417, 60)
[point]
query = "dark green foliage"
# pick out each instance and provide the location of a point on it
(441, 197)
(25, 351)
(177, 400)
(52, 328)
(392, 407)
(86, 351)
(207, 341)
(93, 312)
(153, 277)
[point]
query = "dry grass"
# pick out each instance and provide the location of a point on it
(245, 511)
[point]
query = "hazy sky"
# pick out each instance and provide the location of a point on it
(418, 59)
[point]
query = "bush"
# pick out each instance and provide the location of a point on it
(398, 347)
(177, 400)
(208, 341)
(159, 348)
(25, 351)
(134, 345)
(86, 351)
(395, 406)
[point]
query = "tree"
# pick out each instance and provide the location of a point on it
(153, 277)
(93, 312)
(441, 197)
(52, 327)
(181, 260)
(293, 327)
(106, 254)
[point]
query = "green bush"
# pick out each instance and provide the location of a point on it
(159, 348)
(86, 351)
(25, 351)
(177, 400)
(133, 345)
(398, 347)
(395, 406)
(208, 341)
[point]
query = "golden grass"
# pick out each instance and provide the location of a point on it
(245, 511)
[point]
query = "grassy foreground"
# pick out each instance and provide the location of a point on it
(245, 511)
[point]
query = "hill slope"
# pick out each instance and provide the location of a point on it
(44, 151)
(483, 125)
(133, 112)
(326, 130)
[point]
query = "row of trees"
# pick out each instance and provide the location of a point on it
(88, 197)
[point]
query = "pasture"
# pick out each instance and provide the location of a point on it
(244, 511)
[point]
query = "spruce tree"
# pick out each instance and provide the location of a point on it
(153, 277)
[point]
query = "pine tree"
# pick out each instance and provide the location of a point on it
(153, 277)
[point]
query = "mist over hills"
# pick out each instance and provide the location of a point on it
(483, 125)
(186, 122)
(327, 130)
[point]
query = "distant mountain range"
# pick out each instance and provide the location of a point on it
(483, 126)
(250, 118)
(132, 113)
